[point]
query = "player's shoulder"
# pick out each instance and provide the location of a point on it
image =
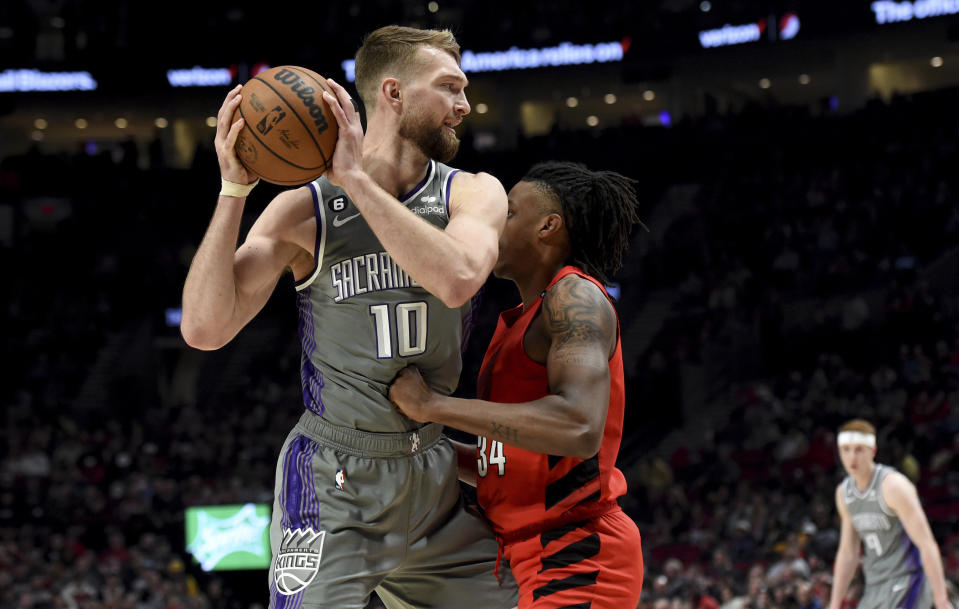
(292, 203)
(467, 181)
(841, 498)
(478, 194)
(576, 286)
(575, 297)
(321, 188)
(287, 215)
(896, 483)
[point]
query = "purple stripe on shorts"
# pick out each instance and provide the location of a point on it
(299, 503)
(298, 492)
(286, 602)
(284, 493)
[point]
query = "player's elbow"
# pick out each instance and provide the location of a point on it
(585, 441)
(466, 279)
(591, 443)
(457, 291)
(455, 297)
(199, 336)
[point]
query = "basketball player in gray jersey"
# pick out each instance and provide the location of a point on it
(386, 251)
(879, 506)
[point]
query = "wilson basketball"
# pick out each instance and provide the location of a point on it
(289, 134)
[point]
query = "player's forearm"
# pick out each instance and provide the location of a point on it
(446, 268)
(932, 566)
(209, 292)
(465, 462)
(547, 425)
(845, 569)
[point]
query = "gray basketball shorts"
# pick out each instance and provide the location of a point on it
(908, 591)
(355, 512)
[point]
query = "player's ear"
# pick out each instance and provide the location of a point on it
(551, 226)
(393, 94)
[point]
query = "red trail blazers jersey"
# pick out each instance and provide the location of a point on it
(525, 493)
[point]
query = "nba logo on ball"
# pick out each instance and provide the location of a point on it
(298, 560)
(339, 479)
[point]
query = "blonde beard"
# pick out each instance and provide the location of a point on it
(435, 143)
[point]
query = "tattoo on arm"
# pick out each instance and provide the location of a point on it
(578, 318)
(504, 432)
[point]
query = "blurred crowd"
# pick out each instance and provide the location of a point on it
(794, 245)
(743, 514)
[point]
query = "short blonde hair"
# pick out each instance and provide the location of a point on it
(392, 50)
(860, 425)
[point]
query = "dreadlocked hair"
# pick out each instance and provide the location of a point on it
(599, 209)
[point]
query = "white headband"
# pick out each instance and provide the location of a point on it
(856, 437)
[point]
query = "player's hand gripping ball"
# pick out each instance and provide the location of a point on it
(289, 133)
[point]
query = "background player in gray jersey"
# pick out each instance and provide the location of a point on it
(879, 506)
(359, 507)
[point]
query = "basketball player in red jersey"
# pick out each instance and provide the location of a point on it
(549, 417)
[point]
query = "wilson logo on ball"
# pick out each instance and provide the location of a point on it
(290, 133)
(305, 93)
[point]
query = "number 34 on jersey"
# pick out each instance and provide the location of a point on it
(488, 459)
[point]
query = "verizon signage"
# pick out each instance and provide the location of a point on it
(200, 77)
(729, 35)
(211, 77)
(786, 28)
(888, 11)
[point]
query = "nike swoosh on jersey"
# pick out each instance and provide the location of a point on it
(338, 222)
(898, 587)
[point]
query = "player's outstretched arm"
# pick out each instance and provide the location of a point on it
(847, 556)
(569, 421)
(226, 286)
(451, 264)
(900, 495)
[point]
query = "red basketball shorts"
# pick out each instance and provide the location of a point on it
(596, 564)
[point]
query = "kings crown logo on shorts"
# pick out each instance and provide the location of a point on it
(298, 559)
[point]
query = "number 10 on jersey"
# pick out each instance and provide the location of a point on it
(410, 318)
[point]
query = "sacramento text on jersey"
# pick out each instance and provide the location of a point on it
(368, 273)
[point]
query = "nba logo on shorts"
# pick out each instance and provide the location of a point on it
(298, 560)
(340, 479)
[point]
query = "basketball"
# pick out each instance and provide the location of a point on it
(289, 132)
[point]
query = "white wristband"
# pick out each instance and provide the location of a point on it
(232, 189)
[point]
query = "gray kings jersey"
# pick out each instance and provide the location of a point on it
(362, 318)
(887, 549)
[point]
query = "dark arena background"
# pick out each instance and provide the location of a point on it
(798, 168)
